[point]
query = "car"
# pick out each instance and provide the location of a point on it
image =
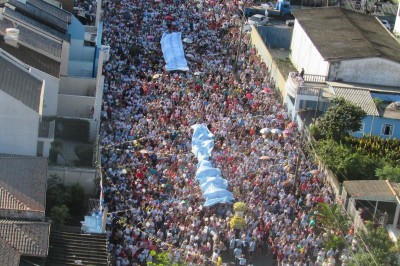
(386, 24)
(258, 20)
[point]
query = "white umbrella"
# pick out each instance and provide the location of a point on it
(187, 40)
(197, 73)
(265, 130)
(190, 56)
(275, 131)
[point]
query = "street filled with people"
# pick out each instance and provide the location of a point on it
(153, 200)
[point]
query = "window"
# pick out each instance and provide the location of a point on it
(387, 130)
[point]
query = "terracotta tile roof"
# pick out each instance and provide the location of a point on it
(23, 183)
(29, 238)
(8, 255)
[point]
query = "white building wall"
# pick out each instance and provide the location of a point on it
(305, 55)
(50, 98)
(75, 106)
(396, 29)
(19, 127)
(78, 86)
(377, 71)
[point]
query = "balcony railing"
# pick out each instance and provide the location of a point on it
(314, 78)
(46, 129)
(310, 85)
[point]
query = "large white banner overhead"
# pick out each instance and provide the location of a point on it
(172, 48)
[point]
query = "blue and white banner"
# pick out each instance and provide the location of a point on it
(172, 48)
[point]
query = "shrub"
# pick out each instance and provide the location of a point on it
(85, 155)
(72, 129)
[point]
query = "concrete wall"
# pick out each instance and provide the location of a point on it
(276, 37)
(376, 71)
(78, 86)
(80, 69)
(396, 28)
(50, 99)
(19, 127)
(71, 176)
(75, 106)
(267, 58)
(305, 55)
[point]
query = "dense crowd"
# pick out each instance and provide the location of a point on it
(153, 199)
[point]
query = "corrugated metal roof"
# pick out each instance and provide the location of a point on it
(377, 190)
(36, 24)
(25, 179)
(38, 41)
(361, 98)
(27, 237)
(8, 255)
(20, 84)
(33, 58)
(339, 34)
(52, 10)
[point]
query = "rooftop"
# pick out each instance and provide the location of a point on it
(20, 84)
(374, 190)
(339, 33)
(8, 254)
(23, 183)
(358, 97)
(27, 237)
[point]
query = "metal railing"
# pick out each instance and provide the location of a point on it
(46, 129)
(314, 78)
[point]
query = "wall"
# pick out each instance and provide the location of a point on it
(396, 28)
(50, 99)
(267, 58)
(19, 127)
(78, 86)
(71, 176)
(305, 55)
(276, 37)
(80, 68)
(376, 71)
(376, 123)
(75, 106)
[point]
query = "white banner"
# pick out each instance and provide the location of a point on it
(172, 48)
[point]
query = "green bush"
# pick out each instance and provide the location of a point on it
(85, 155)
(72, 129)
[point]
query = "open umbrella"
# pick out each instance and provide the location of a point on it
(150, 37)
(234, 30)
(275, 131)
(287, 131)
(156, 76)
(169, 17)
(187, 40)
(267, 90)
(265, 130)
(314, 172)
(264, 158)
(190, 56)
(197, 73)
(249, 96)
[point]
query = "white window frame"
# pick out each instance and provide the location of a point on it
(391, 130)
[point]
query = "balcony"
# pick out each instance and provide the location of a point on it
(310, 85)
(46, 129)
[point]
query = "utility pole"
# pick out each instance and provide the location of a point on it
(298, 161)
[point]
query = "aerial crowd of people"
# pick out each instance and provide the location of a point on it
(154, 203)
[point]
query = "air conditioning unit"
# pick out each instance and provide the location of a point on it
(11, 37)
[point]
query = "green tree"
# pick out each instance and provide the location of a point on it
(341, 118)
(375, 247)
(59, 215)
(388, 172)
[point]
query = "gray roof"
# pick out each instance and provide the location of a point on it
(19, 17)
(29, 238)
(23, 179)
(20, 84)
(358, 97)
(44, 12)
(339, 33)
(33, 58)
(36, 40)
(376, 190)
(8, 255)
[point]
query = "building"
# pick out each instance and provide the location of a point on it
(24, 232)
(396, 28)
(23, 130)
(344, 54)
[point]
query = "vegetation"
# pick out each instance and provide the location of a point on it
(341, 118)
(85, 154)
(162, 258)
(72, 197)
(59, 215)
(375, 246)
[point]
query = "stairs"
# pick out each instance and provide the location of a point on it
(67, 248)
